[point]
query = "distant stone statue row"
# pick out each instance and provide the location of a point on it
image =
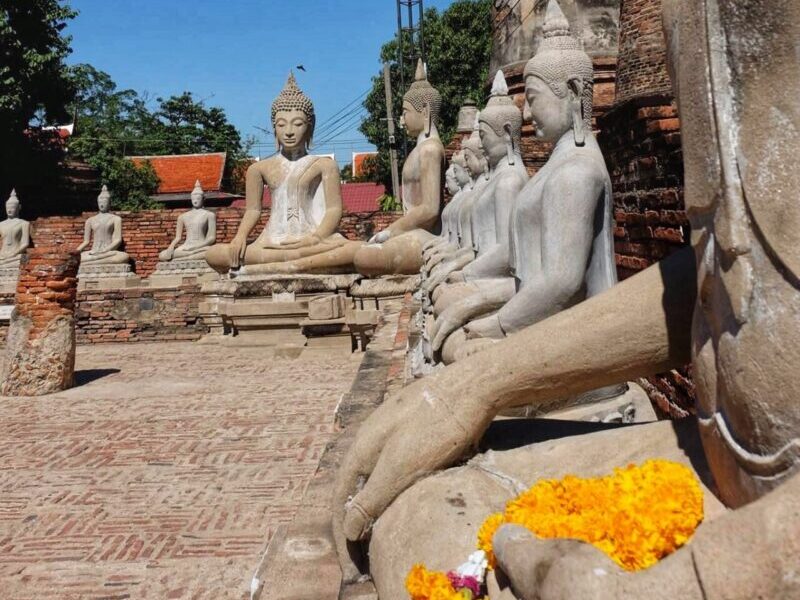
(104, 232)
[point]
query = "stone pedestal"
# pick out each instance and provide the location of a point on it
(40, 349)
(268, 310)
(106, 277)
(9, 275)
(175, 273)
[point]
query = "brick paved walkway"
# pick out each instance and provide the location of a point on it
(157, 478)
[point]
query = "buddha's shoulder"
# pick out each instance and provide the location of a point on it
(430, 148)
(580, 164)
(323, 162)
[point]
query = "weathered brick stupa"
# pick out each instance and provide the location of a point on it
(40, 349)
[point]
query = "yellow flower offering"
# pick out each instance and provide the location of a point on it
(636, 516)
(431, 585)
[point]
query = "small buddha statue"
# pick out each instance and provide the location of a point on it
(458, 181)
(559, 248)
(730, 304)
(15, 233)
(398, 249)
(104, 232)
(306, 200)
(200, 225)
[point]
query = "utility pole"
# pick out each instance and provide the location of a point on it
(387, 84)
(413, 34)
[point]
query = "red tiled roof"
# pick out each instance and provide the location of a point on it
(356, 197)
(178, 172)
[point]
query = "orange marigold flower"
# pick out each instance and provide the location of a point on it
(422, 584)
(637, 515)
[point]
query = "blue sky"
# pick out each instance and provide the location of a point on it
(236, 54)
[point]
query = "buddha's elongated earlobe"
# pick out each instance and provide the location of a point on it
(277, 144)
(576, 88)
(428, 120)
(509, 143)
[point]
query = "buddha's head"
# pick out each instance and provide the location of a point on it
(104, 200)
(473, 152)
(198, 195)
(293, 118)
(12, 205)
(500, 124)
(459, 164)
(559, 82)
(421, 105)
(450, 181)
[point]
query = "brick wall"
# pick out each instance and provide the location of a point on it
(640, 138)
(642, 51)
(147, 233)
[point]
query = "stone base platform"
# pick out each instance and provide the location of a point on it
(107, 277)
(181, 272)
(9, 275)
(300, 309)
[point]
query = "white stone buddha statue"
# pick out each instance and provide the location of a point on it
(306, 201)
(15, 233)
(104, 232)
(200, 226)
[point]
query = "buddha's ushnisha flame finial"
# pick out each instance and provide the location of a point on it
(13, 196)
(104, 193)
(501, 111)
(293, 98)
(198, 189)
(422, 93)
(560, 59)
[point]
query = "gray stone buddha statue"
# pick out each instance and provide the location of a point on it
(559, 247)
(200, 226)
(458, 181)
(15, 233)
(104, 232)
(306, 201)
(731, 304)
(500, 130)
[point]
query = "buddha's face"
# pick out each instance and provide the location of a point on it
(550, 114)
(412, 120)
(103, 203)
(292, 129)
(462, 175)
(197, 200)
(12, 209)
(450, 180)
(475, 162)
(494, 145)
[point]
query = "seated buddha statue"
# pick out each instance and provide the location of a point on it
(730, 304)
(398, 248)
(201, 231)
(306, 198)
(15, 233)
(458, 181)
(463, 251)
(500, 130)
(104, 232)
(559, 248)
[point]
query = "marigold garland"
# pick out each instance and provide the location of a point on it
(431, 585)
(636, 516)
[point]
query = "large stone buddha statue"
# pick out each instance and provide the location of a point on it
(306, 198)
(104, 232)
(200, 226)
(731, 304)
(558, 250)
(398, 249)
(15, 233)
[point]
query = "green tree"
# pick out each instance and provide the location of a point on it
(458, 45)
(114, 124)
(34, 87)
